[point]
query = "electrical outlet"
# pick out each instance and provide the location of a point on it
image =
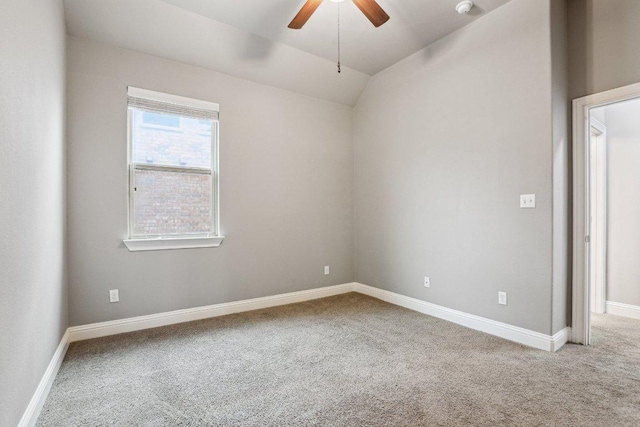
(502, 298)
(427, 282)
(326, 270)
(528, 201)
(114, 295)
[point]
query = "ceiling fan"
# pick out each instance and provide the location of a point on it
(370, 8)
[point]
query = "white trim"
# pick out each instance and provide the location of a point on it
(499, 329)
(135, 245)
(97, 330)
(215, 182)
(32, 412)
(598, 233)
(172, 99)
(626, 310)
(560, 338)
(103, 329)
(581, 221)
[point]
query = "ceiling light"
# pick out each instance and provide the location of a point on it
(463, 7)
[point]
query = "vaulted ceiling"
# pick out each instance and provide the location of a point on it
(414, 24)
(250, 39)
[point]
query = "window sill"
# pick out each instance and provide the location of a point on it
(135, 245)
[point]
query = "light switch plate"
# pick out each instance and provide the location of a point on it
(502, 298)
(528, 201)
(427, 282)
(326, 270)
(114, 295)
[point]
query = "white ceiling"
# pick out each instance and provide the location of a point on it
(157, 28)
(250, 39)
(414, 24)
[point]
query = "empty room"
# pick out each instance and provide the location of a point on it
(319, 213)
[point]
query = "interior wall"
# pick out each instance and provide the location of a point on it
(562, 196)
(33, 293)
(603, 43)
(286, 190)
(445, 143)
(623, 202)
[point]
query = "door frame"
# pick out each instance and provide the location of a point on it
(580, 316)
(598, 233)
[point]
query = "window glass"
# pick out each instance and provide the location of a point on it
(188, 145)
(172, 203)
(158, 119)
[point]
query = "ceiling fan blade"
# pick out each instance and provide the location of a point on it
(372, 11)
(305, 13)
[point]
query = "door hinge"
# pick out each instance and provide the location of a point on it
(587, 239)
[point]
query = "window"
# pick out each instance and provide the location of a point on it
(162, 120)
(173, 173)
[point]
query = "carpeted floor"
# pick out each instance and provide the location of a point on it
(348, 360)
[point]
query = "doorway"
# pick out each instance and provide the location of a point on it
(606, 220)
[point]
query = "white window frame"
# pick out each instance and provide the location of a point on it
(162, 242)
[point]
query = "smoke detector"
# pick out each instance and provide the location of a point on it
(464, 7)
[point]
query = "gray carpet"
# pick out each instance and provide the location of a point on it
(348, 360)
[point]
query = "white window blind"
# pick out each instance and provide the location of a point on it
(172, 104)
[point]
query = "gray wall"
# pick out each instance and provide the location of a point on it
(33, 297)
(446, 141)
(562, 232)
(604, 50)
(623, 204)
(286, 190)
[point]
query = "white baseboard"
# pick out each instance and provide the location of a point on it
(626, 310)
(499, 329)
(32, 412)
(560, 338)
(96, 330)
(503, 330)
(103, 329)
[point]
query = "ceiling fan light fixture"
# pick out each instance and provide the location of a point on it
(464, 7)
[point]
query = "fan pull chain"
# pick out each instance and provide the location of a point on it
(339, 69)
